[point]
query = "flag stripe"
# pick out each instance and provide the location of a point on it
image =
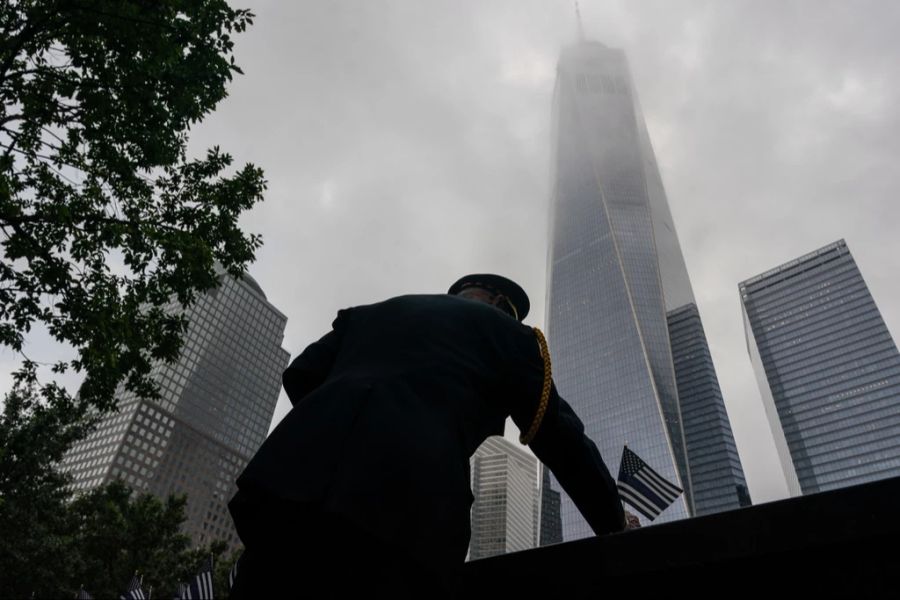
(637, 496)
(638, 502)
(662, 480)
(650, 473)
(648, 493)
(638, 509)
(663, 492)
(648, 515)
(644, 488)
(201, 588)
(134, 591)
(644, 468)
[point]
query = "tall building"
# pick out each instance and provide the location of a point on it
(215, 409)
(828, 371)
(617, 279)
(717, 477)
(505, 486)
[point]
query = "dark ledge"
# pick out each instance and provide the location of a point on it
(843, 542)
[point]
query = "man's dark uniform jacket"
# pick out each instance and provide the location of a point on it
(389, 406)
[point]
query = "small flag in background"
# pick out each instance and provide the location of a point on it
(643, 488)
(134, 591)
(182, 592)
(83, 595)
(202, 587)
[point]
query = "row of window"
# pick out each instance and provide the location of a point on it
(859, 311)
(781, 277)
(816, 386)
(873, 434)
(875, 392)
(847, 304)
(853, 338)
(844, 328)
(814, 285)
(849, 286)
(853, 475)
(848, 365)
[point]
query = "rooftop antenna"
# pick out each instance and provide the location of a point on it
(580, 27)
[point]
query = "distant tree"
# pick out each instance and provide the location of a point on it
(222, 563)
(34, 527)
(103, 216)
(115, 533)
(222, 570)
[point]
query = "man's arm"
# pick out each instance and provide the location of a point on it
(560, 444)
(309, 370)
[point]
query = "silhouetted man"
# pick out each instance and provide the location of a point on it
(364, 486)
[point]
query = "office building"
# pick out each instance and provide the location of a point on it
(505, 509)
(215, 409)
(617, 281)
(828, 371)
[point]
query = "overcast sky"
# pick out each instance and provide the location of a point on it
(408, 142)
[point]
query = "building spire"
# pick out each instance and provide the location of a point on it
(578, 18)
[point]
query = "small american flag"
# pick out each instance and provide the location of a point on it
(181, 592)
(134, 591)
(202, 586)
(643, 488)
(83, 595)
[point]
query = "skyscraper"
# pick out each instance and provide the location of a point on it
(216, 406)
(716, 473)
(505, 487)
(828, 371)
(616, 275)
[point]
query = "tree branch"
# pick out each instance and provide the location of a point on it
(15, 135)
(47, 159)
(15, 220)
(59, 139)
(160, 24)
(11, 118)
(28, 33)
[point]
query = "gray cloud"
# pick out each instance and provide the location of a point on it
(407, 143)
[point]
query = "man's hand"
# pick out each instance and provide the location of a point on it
(631, 521)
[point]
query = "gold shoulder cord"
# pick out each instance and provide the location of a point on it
(545, 392)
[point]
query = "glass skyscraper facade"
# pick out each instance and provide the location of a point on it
(717, 477)
(828, 371)
(505, 510)
(615, 271)
(217, 403)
